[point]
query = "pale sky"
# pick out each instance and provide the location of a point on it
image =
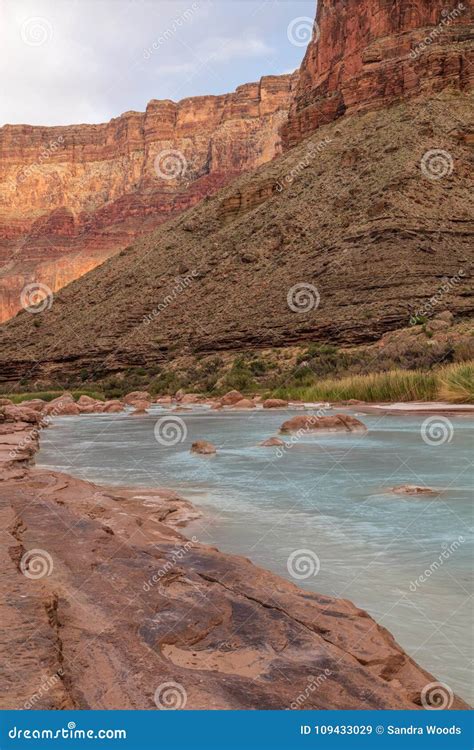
(77, 61)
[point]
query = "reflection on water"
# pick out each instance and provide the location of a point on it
(327, 493)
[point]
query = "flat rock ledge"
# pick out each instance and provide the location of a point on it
(103, 601)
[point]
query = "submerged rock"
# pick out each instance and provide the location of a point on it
(203, 447)
(140, 408)
(113, 406)
(413, 489)
(134, 396)
(275, 403)
(244, 403)
(335, 423)
(272, 442)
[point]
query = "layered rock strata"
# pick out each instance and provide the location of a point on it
(70, 197)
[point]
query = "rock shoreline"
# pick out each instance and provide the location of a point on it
(104, 601)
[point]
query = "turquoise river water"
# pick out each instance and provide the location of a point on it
(326, 500)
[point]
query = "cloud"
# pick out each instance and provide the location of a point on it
(77, 61)
(223, 49)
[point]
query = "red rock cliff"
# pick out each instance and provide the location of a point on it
(70, 197)
(367, 54)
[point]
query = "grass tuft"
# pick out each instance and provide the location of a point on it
(453, 383)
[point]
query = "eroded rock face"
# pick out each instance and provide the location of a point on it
(336, 423)
(73, 196)
(19, 440)
(367, 55)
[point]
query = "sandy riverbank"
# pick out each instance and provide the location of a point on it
(104, 601)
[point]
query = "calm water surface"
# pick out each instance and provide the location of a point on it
(327, 494)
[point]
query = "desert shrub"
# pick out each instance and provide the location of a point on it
(456, 383)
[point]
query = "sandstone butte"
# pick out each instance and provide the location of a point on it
(103, 600)
(72, 196)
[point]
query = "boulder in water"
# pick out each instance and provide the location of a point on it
(203, 447)
(336, 423)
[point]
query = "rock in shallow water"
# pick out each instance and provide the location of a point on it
(272, 442)
(203, 447)
(336, 423)
(414, 489)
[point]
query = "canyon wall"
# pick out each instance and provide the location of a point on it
(70, 197)
(367, 55)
